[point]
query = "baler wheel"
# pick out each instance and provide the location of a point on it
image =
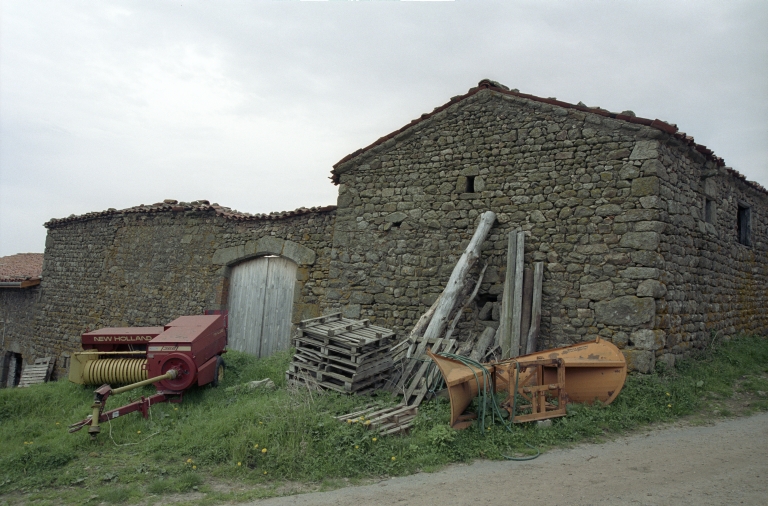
(219, 377)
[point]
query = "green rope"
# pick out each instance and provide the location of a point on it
(488, 396)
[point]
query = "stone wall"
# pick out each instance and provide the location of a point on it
(715, 286)
(147, 268)
(588, 190)
(17, 310)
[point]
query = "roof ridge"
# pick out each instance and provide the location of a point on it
(669, 128)
(197, 205)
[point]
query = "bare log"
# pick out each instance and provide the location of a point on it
(423, 323)
(478, 353)
(456, 282)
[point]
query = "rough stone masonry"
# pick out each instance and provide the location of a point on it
(648, 239)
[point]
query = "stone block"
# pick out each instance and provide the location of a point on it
(644, 150)
(360, 298)
(648, 258)
(351, 311)
(597, 291)
(298, 253)
(226, 256)
(640, 240)
(609, 210)
(640, 360)
(269, 245)
(629, 171)
(628, 310)
(650, 226)
(647, 339)
(644, 186)
(640, 273)
(651, 288)
(654, 168)
(397, 217)
(631, 215)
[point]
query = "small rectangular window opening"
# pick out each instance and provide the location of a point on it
(470, 184)
(709, 211)
(743, 224)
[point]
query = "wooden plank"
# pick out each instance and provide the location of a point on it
(525, 315)
(505, 327)
(320, 320)
(533, 332)
(517, 300)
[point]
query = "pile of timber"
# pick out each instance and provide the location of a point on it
(350, 356)
(392, 420)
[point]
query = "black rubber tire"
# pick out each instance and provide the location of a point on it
(220, 367)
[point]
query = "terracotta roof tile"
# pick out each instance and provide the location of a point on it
(21, 267)
(170, 205)
(499, 88)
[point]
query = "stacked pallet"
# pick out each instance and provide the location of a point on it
(350, 356)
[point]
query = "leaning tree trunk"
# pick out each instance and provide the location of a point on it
(450, 297)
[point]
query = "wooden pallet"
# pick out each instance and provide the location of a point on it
(414, 380)
(341, 354)
(390, 420)
(39, 372)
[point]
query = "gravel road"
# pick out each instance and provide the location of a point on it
(723, 463)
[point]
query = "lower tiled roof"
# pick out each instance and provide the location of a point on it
(21, 267)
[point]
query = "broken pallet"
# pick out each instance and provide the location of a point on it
(39, 372)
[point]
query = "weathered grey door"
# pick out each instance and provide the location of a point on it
(260, 305)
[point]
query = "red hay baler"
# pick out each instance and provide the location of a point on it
(185, 352)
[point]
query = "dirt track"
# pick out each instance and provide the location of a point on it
(725, 463)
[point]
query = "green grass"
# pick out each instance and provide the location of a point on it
(215, 440)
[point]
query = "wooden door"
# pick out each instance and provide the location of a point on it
(261, 305)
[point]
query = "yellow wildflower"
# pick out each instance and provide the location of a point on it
(255, 446)
(238, 463)
(669, 405)
(263, 450)
(194, 467)
(265, 472)
(138, 432)
(668, 394)
(189, 461)
(393, 457)
(373, 439)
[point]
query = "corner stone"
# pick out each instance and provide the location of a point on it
(640, 361)
(628, 310)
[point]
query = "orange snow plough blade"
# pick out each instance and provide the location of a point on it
(546, 381)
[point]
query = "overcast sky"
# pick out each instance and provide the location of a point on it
(249, 104)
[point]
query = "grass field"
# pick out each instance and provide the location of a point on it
(234, 444)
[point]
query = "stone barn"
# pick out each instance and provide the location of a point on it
(647, 238)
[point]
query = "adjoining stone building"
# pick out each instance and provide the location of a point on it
(19, 293)
(648, 239)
